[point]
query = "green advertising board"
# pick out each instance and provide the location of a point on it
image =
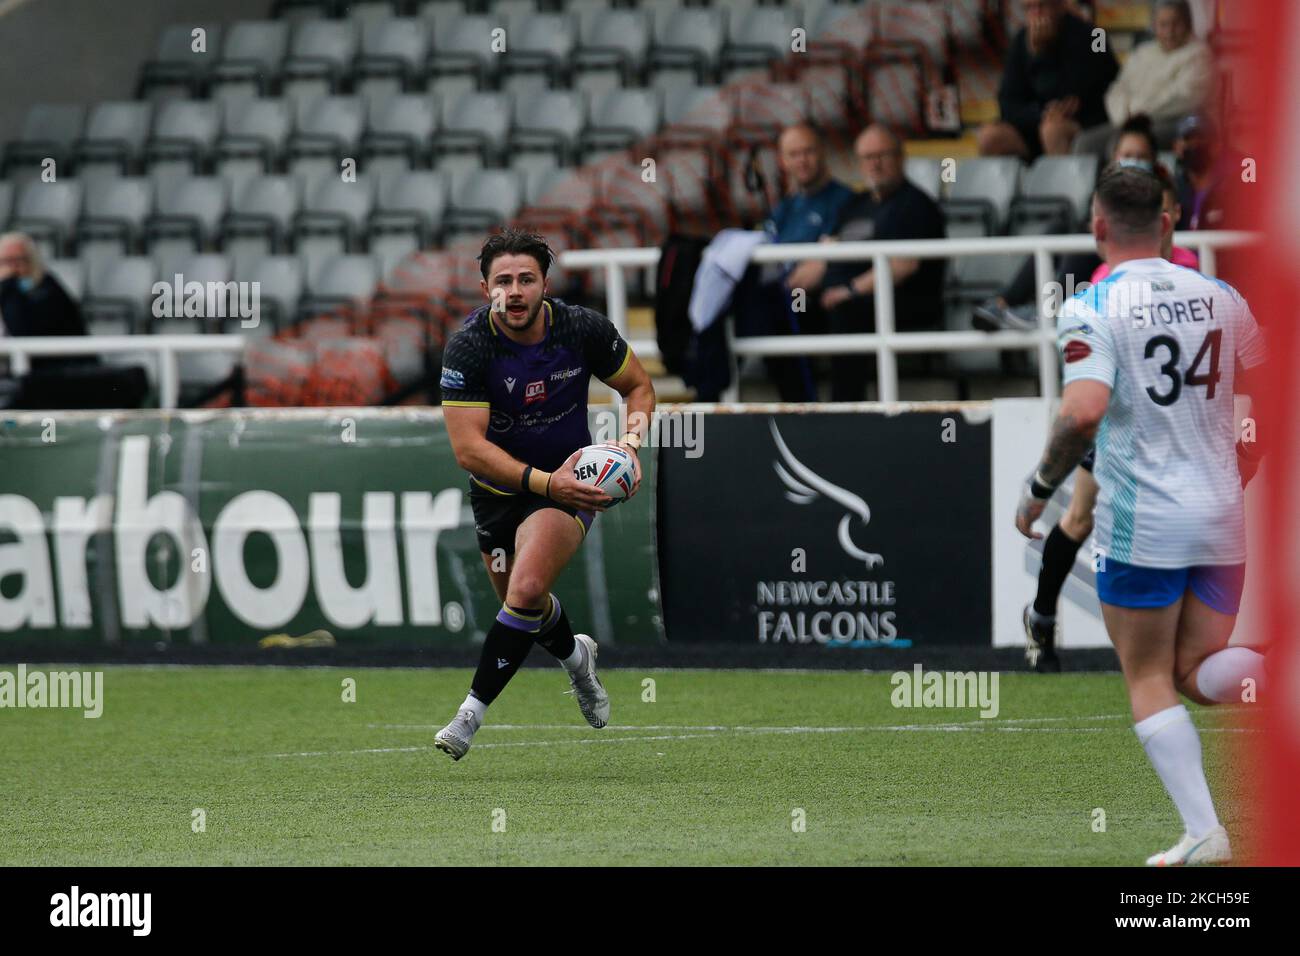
(226, 526)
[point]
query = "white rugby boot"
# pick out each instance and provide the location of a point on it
(1211, 848)
(454, 739)
(586, 686)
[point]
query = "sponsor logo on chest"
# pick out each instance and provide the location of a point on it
(535, 392)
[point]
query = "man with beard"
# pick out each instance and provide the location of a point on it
(514, 397)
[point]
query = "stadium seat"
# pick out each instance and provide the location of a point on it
(538, 43)
(115, 136)
(71, 274)
(919, 29)
(48, 212)
(6, 201)
(926, 174)
(251, 59)
(280, 283)
(408, 214)
(120, 288)
(334, 214)
(184, 135)
(200, 370)
(261, 216)
(327, 129)
(114, 213)
(512, 9)
(559, 191)
(763, 109)
(441, 13)
(1054, 187)
(48, 130)
(187, 214)
(974, 278)
(392, 55)
(253, 137)
(399, 131)
(176, 63)
(463, 46)
(979, 200)
(696, 114)
(621, 118)
(622, 190)
(320, 58)
(478, 122)
(757, 37)
(486, 198)
(343, 284)
(689, 39)
(551, 120)
(612, 42)
(367, 12)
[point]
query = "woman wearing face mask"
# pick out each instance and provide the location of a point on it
(32, 302)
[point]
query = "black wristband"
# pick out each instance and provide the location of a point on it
(523, 481)
(1039, 489)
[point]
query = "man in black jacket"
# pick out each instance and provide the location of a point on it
(32, 302)
(889, 208)
(1053, 85)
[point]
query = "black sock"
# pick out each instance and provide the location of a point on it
(505, 649)
(558, 639)
(1058, 558)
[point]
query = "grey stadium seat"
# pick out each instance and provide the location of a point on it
(758, 36)
(187, 214)
(1052, 188)
(539, 43)
(252, 57)
(399, 131)
(48, 130)
(622, 117)
(410, 206)
(621, 188)
(115, 135)
(280, 283)
(979, 200)
(560, 191)
(342, 281)
(464, 46)
(926, 173)
(71, 274)
(689, 38)
(551, 120)
(48, 213)
(262, 211)
(476, 121)
(253, 136)
(486, 198)
(327, 129)
(697, 112)
(6, 201)
(334, 213)
(393, 52)
(120, 287)
(202, 268)
(114, 212)
(184, 134)
(613, 41)
(320, 57)
(441, 13)
(764, 109)
(176, 63)
(366, 12)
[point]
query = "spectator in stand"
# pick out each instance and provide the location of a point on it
(1208, 177)
(32, 301)
(1166, 79)
(764, 301)
(1053, 85)
(890, 207)
(1015, 308)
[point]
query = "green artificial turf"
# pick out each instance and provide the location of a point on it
(711, 772)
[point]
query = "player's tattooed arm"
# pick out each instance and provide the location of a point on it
(1083, 406)
(1069, 442)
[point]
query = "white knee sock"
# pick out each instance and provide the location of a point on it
(1174, 749)
(1220, 675)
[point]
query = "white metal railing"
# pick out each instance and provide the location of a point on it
(885, 342)
(167, 348)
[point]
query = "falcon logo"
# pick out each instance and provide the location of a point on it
(535, 392)
(804, 487)
(1076, 350)
(510, 385)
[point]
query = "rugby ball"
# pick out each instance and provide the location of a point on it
(609, 468)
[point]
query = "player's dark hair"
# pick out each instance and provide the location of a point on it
(1139, 124)
(1131, 199)
(515, 242)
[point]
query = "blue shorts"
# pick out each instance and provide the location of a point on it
(1127, 585)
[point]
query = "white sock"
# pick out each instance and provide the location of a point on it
(1174, 749)
(1220, 675)
(577, 660)
(475, 705)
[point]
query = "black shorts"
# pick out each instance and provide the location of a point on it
(1089, 460)
(498, 516)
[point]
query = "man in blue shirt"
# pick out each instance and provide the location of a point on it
(765, 300)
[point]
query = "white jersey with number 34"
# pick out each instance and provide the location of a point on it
(1167, 340)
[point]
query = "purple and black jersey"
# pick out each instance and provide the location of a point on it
(537, 393)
